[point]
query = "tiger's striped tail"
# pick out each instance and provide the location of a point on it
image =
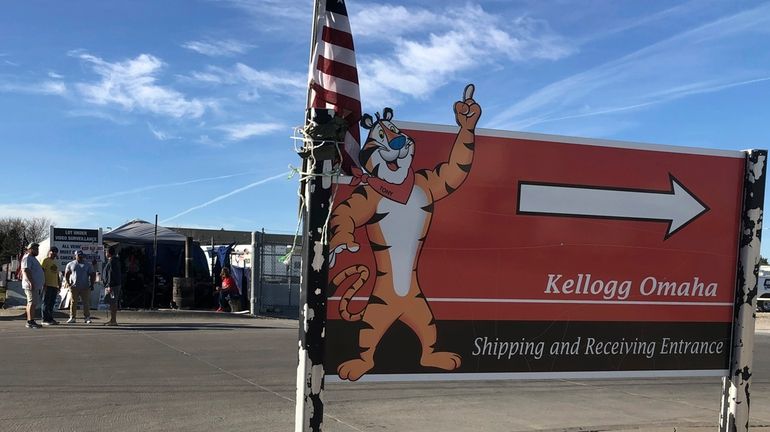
(363, 275)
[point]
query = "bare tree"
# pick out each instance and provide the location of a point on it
(11, 238)
(37, 229)
(15, 233)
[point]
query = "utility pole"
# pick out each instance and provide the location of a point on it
(154, 264)
(736, 387)
(324, 132)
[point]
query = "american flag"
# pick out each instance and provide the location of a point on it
(333, 73)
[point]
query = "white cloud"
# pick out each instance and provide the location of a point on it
(55, 75)
(53, 87)
(238, 132)
(458, 40)
(132, 84)
(50, 88)
(692, 62)
(207, 141)
(8, 62)
(214, 48)
(274, 13)
(279, 81)
(99, 115)
(384, 22)
(160, 135)
(61, 213)
(214, 75)
(253, 82)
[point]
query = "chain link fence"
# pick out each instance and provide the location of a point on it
(278, 279)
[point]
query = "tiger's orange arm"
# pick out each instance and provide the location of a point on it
(351, 214)
(448, 176)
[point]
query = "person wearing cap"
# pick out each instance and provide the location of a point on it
(52, 284)
(32, 281)
(80, 276)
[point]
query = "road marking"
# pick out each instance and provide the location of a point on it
(234, 375)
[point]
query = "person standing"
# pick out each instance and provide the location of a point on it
(80, 277)
(112, 276)
(52, 284)
(32, 282)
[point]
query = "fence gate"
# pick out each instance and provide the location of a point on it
(277, 280)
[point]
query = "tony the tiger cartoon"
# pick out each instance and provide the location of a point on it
(395, 204)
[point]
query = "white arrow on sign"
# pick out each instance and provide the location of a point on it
(678, 206)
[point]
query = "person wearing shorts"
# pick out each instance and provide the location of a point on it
(32, 282)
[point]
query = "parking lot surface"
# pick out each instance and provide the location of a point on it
(203, 372)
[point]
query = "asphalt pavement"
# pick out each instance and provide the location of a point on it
(166, 371)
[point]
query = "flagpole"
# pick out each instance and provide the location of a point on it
(313, 40)
(324, 133)
(308, 101)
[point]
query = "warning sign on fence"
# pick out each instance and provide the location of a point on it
(70, 240)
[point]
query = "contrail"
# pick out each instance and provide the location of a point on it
(163, 185)
(227, 195)
(667, 97)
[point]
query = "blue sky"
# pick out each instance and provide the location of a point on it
(116, 110)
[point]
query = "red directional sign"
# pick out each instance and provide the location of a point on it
(520, 255)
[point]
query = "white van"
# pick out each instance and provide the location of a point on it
(763, 289)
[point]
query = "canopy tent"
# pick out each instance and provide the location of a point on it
(142, 232)
(134, 241)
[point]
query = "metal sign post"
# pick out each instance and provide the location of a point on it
(155, 263)
(734, 413)
(319, 157)
(255, 290)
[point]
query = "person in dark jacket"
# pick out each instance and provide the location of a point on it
(112, 276)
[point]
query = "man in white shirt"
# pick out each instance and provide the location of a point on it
(80, 276)
(32, 281)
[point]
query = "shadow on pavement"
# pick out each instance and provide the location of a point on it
(165, 327)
